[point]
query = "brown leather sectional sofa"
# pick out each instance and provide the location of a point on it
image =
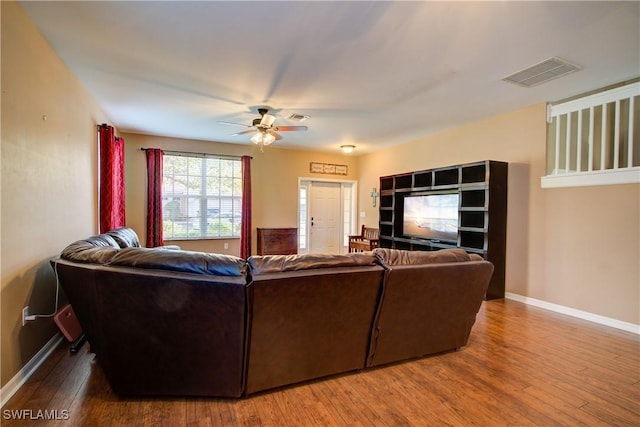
(165, 321)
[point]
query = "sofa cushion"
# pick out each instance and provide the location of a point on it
(125, 237)
(401, 257)
(280, 263)
(182, 261)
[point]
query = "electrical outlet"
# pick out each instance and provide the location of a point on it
(25, 313)
(226, 246)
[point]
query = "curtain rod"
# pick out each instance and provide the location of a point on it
(186, 153)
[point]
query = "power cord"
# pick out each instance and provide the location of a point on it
(37, 316)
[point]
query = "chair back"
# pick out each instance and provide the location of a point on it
(369, 233)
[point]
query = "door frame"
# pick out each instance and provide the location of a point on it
(306, 182)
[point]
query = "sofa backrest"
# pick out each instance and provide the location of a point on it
(159, 329)
(394, 257)
(429, 303)
(104, 249)
(262, 264)
(182, 261)
(309, 316)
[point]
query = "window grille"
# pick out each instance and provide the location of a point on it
(594, 140)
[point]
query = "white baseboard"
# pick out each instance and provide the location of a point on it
(607, 321)
(32, 365)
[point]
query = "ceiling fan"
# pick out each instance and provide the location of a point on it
(265, 131)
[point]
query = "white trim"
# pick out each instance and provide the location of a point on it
(612, 95)
(596, 318)
(601, 177)
(27, 370)
(303, 181)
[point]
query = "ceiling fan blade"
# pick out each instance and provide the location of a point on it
(275, 134)
(234, 124)
(290, 128)
(243, 132)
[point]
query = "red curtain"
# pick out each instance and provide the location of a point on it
(245, 230)
(154, 198)
(112, 193)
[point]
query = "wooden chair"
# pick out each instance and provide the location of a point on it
(367, 240)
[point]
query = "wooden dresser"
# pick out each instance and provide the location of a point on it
(277, 241)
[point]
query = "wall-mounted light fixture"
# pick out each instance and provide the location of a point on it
(374, 195)
(347, 148)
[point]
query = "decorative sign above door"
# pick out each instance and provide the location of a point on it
(328, 168)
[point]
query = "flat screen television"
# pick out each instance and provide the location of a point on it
(431, 216)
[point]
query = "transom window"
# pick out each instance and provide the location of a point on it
(201, 196)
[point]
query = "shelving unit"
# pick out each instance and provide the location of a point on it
(482, 212)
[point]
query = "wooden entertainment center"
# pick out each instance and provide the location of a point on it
(481, 190)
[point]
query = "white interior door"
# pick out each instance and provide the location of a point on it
(325, 217)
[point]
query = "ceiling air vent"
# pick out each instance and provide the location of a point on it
(542, 72)
(298, 117)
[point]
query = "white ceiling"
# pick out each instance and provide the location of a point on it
(370, 74)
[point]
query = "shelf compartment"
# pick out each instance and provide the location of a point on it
(473, 240)
(386, 215)
(473, 219)
(422, 179)
(475, 173)
(386, 202)
(473, 198)
(386, 229)
(445, 176)
(386, 183)
(403, 181)
(385, 241)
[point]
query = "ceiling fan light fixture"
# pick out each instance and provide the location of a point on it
(257, 138)
(267, 139)
(262, 138)
(347, 148)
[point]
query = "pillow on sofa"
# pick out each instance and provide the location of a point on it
(182, 261)
(401, 257)
(279, 263)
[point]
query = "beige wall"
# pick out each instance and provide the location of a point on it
(48, 180)
(274, 185)
(577, 247)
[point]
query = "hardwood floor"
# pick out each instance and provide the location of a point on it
(523, 366)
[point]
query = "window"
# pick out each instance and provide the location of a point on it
(201, 197)
(347, 213)
(302, 228)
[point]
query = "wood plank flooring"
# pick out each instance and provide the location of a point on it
(523, 366)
